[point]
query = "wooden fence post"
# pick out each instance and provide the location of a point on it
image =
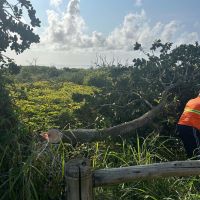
(78, 176)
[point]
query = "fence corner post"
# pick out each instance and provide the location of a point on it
(78, 177)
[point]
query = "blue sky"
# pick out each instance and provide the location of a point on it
(77, 32)
(107, 15)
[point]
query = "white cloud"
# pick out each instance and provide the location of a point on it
(73, 7)
(137, 28)
(129, 32)
(169, 31)
(68, 31)
(55, 3)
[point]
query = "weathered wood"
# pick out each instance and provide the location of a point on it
(72, 180)
(123, 130)
(78, 177)
(86, 181)
(104, 177)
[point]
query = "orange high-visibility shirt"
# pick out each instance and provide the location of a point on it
(191, 114)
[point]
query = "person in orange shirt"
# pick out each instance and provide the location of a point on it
(189, 127)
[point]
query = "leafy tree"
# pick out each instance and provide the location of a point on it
(14, 33)
(159, 83)
(16, 36)
(98, 78)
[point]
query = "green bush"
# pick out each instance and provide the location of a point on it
(8, 116)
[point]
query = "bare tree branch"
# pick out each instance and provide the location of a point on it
(120, 131)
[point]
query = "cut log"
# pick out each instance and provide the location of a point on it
(120, 131)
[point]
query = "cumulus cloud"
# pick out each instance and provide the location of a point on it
(136, 28)
(128, 32)
(68, 31)
(169, 31)
(55, 3)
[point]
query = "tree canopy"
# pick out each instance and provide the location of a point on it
(16, 32)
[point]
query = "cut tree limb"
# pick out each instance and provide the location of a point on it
(119, 131)
(123, 130)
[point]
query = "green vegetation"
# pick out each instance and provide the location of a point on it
(44, 105)
(40, 73)
(39, 98)
(35, 98)
(8, 118)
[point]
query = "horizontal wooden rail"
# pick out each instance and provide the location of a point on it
(81, 179)
(104, 177)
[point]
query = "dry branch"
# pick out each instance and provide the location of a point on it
(123, 130)
(120, 131)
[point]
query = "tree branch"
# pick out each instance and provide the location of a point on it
(120, 131)
(123, 130)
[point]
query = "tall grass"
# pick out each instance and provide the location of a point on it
(34, 170)
(151, 149)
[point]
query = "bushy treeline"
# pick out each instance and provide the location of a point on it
(44, 73)
(99, 77)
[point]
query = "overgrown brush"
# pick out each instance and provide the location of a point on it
(35, 170)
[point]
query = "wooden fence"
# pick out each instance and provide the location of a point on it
(81, 179)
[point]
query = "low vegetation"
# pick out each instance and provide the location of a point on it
(45, 104)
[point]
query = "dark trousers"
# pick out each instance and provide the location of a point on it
(191, 140)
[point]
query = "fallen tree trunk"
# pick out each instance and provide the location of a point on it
(123, 130)
(120, 131)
